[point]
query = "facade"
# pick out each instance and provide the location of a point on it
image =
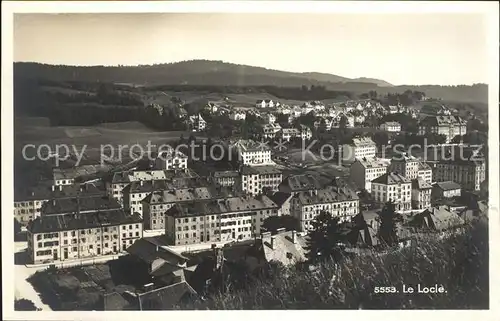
(222, 220)
(286, 134)
(197, 123)
(305, 132)
(411, 168)
(270, 130)
(449, 126)
(257, 178)
(270, 118)
(358, 149)
(446, 190)
(420, 194)
(76, 236)
(157, 203)
(339, 202)
(393, 187)
(252, 153)
(171, 159)
(120, 180)
(225, 178)
(392, 126)
(238, 115)
(363, 171)
(469, 174)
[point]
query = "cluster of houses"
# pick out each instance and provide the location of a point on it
(190, 203)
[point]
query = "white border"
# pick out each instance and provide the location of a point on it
(490, 9)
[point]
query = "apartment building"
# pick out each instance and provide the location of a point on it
(197, 123)
(363, 171)
(411, 167)
(227, 178)
(157, 203)
(391, 126)
(393, 187)
(120, 180)
(420, 194)
(254, 179)
(170, 159)
(467, 170)
(270, 130)
(449, 189)
(28, 204)
(76, 236)
(286, 134)
(305, 132)
(218, 220)
(252, 153)
(447, 125)
(359, 148)
(339, 202)
(303, 182)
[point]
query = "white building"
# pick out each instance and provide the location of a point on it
(305, 132)
(270, 118)
(395, 188)
(363, 171)
(170, 159)
(252, 153)
(420, 194)
(391, 126)
(266, 103)
(237, 115)
(270, 130)
(254, 179)
(287, 134)
(120, 180)
(449, 126)
(341, 202)
(77, 236)
(197, 123)
(411, 167)
(359, 148)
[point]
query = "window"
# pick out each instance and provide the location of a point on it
(136, 225)
(136, 233)
(75, 249)
(65, 233)
(40, 244)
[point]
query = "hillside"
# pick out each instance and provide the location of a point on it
(195, 72)
(217, 73)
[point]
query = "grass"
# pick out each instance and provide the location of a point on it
(459, 263)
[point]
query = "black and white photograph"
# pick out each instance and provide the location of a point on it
(310, 155)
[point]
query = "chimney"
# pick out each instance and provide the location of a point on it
(53, 188)
(273, 241)
(294, 237)
(141, 182)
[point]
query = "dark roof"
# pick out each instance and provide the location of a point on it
(116, 302)
(167, 297)
(391, 178)
(261, 170)
(73, 205)
(55, 223)
(44, 192)
(448, 186)
(148, 249)
(280, 198)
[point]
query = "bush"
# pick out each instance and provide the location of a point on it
(459, 263)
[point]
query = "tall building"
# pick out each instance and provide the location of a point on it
(393, 187)
(254, 179)
(359, 148)
(449, 126)
(411, 167)
(420, 194)
(363, 171)
(218, 220)
(340, 202)
(81, 235)
(252, 153)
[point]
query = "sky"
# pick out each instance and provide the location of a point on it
(412, 49)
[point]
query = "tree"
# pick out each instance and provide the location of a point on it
(24, 305)
(388, 224)
(380, 138)
(324, 238)
(273, 223)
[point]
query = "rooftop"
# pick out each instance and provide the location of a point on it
(302, 182)
(419, 183)
(250, 146)
(373, 162)
(55, 223)
(391, 178)
(328, 195)
(219, 206)
(79, 204)
(187, 194)
(448, 186)
(260, 170)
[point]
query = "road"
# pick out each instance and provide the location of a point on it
(23, 289)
